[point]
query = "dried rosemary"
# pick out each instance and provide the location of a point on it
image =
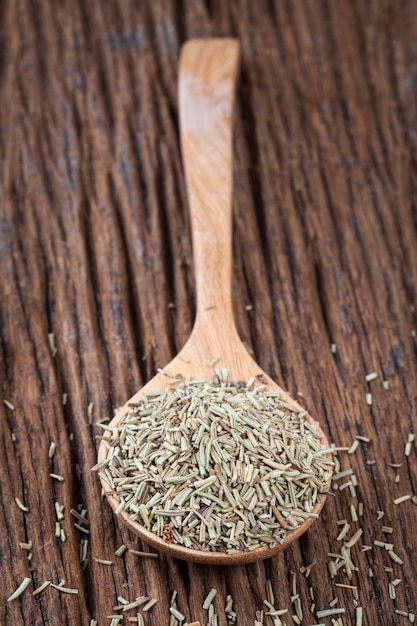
(216, 466)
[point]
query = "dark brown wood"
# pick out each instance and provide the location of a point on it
(95, 245)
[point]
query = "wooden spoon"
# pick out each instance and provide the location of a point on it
(207, 78)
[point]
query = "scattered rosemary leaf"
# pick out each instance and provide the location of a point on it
(385, 384)
(368, 398)
(329, 612)
(177, 614)
(363, 438)
(64, 589)
(359, 616)
(83, 552)
(394, 557)
(333, 348)
(79, 517)
(343, 474)
(25, 582)
(52, 346)
(371, 376)
(270, 592)
(41, 587)
(209, 598)
(59, 511)
(81, 528)
(402, 499)
(57, 477)
(102, 561)
(269, 605)
(354, 538)
(407, 449)
(306, 570)
(121, 550)
(149, 604)
(8, 404)
(122, 600)
(343, 532)
(332, 569)
(145, 555)
(353, 447)
(21, 506)
(52, 448)
(133, 605)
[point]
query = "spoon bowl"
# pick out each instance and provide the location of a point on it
(208, 71)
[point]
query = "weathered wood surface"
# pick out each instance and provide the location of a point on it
(95, 246)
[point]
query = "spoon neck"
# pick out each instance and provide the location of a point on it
(214, 314)
(215, 334)
(212, 251)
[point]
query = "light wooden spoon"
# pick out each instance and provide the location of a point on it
(207, 78)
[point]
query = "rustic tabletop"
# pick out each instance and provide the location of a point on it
(97, 292)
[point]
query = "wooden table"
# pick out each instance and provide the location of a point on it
(97, 283)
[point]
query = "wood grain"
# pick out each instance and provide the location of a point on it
(95, 244)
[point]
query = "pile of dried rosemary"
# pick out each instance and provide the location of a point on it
(216, 466)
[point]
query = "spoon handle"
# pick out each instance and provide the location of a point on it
(207, 78)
